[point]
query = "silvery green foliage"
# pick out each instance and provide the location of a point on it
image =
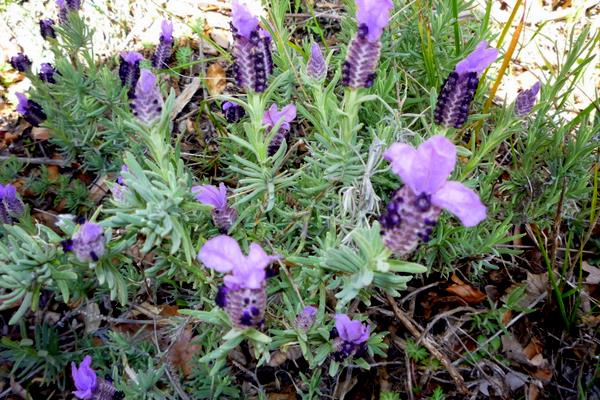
(364, 264)
(30, 262)
(158, 194)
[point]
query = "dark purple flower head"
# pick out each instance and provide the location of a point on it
(354, 332)
(374, 15)
(165, 45)
(47, 72)
(316, 67)
(273, 116)
(526, 100)
(233, 112)
(74, 5)
(20, 62)
(63, 11)
(478, 60)
(306, 318)
(458, 91)
(223, 254)
(147, 102)
(413, 211)
(84, 378)
(89, 242)
(211, 195)
(242, 19)
(129, 69)
(47, 29)
(251, 50)
(31, 111)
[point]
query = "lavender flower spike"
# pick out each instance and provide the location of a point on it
(251, 50)
(243, 295)
(147, 101)
(414, 209)
(47, 72)
(10, 203)
(165, 45)
(316, 67)
(47, 29)
(30, 110)
(232, 112)
(456, 95)
(363, 51)
(351, 337)
(272, 117)
(89, 243)
(129, 69)
(89, 386)
(223, 216)
(526, 100)
(63, 11)
(20, 62)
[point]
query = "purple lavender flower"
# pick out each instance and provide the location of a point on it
(363, 51)
(47, 72)
(147, 101)
(233, 112)
(251, 50)
(243, 295)
(129, 69)
(456, 95)
(89, 386)
(84, 378)
(31, 111)
(306, 318)
(414, 209)
(47, 29)
(223, 216)
(10, 203)
(88, 242)
(316, 66)
(272, 117)
(526, 100)
(21, 62)
(165, 45)
(351, 337)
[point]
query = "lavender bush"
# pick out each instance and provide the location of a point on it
(280, 249)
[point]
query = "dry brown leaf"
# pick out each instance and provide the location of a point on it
(92, 317)
(465, 291)
(215, 79)
(536, 286)
(594, 274)
(38, 133)
(185, 97)
(182, 352)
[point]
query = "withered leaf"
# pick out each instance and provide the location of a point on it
(465, 291)
(215, 79)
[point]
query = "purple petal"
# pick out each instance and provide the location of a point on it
(242, 19)
(131, 57)
(211, 195)
(288, 113)
(478, 60)
(23, 103)
(257, 258)
(89, 232)
(425, 169)
(460, 201)
(535, 88)
(375, 14)
(245, 276)
(222, 253)
(401, 157)
(435, 161)
(351, 331)
(272, 116)
(147, 81)
(167, 30)
(310, 311)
